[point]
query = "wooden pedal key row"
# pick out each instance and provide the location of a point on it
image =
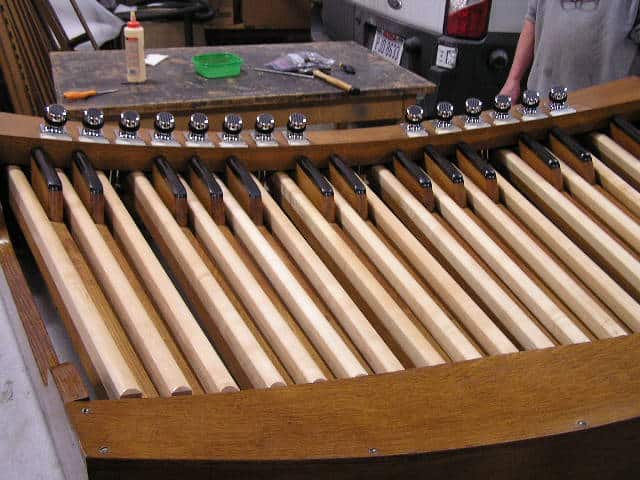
(303, 298)
(426, 310)
(242, 217)
(564, 286)
(329, 242)
(102, 353)
(528, 292)
(271, 322)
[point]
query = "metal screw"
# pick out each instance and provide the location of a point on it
(85, 410)
(103, 450)
(582, 424)
(373, 451)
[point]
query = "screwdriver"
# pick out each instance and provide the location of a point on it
(82, 94)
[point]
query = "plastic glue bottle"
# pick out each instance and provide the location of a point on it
(134, 50)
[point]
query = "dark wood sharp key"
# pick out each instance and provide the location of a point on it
(445, 174)
(626, 135)
(414, 178)
(478, 170)
(567, 149)
(316, 187)
(47, 185)
(206, 188)
(344, 179)
(88, 186)
(541, 160)
(171, 191)
(244, 189)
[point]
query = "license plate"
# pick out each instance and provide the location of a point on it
(447, 57)
(389, 45)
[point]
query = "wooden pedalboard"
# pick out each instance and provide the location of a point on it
(569, 410)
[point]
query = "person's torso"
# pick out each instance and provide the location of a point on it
(582, 43)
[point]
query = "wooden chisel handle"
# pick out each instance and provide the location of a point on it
(79, 94)
(347, 87)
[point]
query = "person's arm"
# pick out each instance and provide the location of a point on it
(522, 60)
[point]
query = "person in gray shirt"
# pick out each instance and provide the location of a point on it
(575, 43)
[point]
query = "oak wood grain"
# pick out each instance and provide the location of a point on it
(600, 384)
(450, 180)
(563, 285)
(594, 200)
(113, 370)
(40, 343)
(274, 327)
(626, 135)
(204, 360)
(46, 185)
(479, 171)
(87, 186)
(359, 329)
(316, 187)
(583, 228)
(567, 149)
(332, 348)
(486, 333)
(349, 185)
(541, 161)
(170, 190)
(162, 367)
(617, 187)
(206, 189)
(366, 146)
(400, 327)
(617, 158)
(512, 316)
(244, 190)
(251, 357)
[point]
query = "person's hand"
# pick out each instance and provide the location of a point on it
(511, 88)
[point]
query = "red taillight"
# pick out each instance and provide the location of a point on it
(467, 18)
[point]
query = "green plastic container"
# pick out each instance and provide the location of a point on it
(218, 65)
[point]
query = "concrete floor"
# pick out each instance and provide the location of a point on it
(26, 448)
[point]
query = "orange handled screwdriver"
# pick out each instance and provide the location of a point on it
(82, 94)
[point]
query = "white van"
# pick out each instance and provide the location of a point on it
(464, 46)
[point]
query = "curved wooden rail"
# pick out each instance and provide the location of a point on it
(546, 412)
(492, 401)
(19, 134)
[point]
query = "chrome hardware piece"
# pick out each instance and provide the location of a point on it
(296, 126)
(502, 105)
(197, 135)
(414, 115)
(558, 101)
(530, 102)
(55, 119)
(231, 129)
(164, 124)
(92, 123)
(473, 111)
(502, 110)
(530, 106)
(444, 115)
(129, 125)
(395, 4)
(558, 97)
(263, 133)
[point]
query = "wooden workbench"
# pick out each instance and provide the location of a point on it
(173, 85)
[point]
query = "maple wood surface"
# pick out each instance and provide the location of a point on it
(420, 412)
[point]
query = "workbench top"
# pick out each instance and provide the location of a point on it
(175, 86)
